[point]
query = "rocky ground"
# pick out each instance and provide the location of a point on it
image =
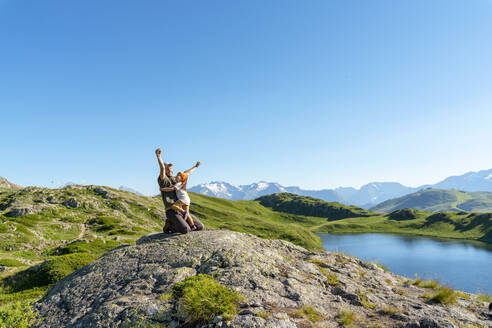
(282, 285)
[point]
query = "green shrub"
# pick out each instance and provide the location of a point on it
(96, 246)
(426, 283)
(18, 315)
(264, 314)
(387, 309)
(204, 298)
(307, 312)
(106, 223)
(484, 298)
(365, 302)
(346, 317)
(11, 263)
(331, 278)
(49, 272)
(445, 295)
(382, 267)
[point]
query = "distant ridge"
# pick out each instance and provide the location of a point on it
(124, 188)
(4, 183)
(438, 200)
(366, 197)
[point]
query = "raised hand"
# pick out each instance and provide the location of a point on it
(197, 164)
(158, 151)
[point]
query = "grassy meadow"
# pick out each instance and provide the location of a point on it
(45, 234)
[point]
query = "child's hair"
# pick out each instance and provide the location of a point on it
(184, 179)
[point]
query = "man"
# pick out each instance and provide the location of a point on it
(174, 220)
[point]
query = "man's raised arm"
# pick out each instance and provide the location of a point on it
(162, 166)
(193, 168)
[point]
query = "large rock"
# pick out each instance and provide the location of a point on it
(4, 183)
(124, 287)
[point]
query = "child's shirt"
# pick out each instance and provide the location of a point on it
(182, 193)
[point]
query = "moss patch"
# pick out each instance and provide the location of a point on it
(203, 298)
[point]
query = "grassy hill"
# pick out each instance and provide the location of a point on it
(439, 200)
(304, 205)
(457, 225)
(45, 234)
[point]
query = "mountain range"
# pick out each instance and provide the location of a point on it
(436, 200)
(367, 196)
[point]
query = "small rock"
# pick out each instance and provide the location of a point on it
(245, 312)
(218, 319)
(71, 203)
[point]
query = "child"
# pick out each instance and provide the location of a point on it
(183, 203)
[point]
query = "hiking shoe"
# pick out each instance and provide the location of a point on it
(193, 227)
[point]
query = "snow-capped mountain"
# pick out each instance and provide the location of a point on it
(219, 189)
(367, 196)
(471, 181)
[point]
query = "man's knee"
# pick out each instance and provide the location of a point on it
(183, 228)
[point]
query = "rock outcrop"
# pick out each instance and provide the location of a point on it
(4, 183)
(282, 285)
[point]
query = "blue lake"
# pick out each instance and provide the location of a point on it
(461, 265)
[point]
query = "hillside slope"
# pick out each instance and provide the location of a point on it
(438, 200)
(226, 279)
(45, 234)
(309, 206)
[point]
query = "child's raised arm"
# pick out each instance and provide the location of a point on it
(193, 168)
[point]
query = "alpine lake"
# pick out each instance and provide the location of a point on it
(461, 265)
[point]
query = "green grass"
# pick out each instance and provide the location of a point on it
(387, 309)
(331, 278)
(204, 298)
(346, 317)
(365, 302)
(382, 267)
(484, 298)
(307, 312)
(456, 225)
(309, 206)
(17, 314)
(11, 263)
(426, 283)
(46, 274)
(51, 233)
(445, 296)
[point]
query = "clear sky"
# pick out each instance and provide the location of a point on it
(317, 93)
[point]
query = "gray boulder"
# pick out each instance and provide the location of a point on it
(280, 283)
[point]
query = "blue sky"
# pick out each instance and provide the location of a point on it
(317, 94)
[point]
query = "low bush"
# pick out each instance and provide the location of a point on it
(11, 263)
(345, 317)
(484, 298)
(48, 272)
(17, 314)
(445, 295)
(204, 298)
(96, 246)
(426, 283)
(331, 278)
(307, 312)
